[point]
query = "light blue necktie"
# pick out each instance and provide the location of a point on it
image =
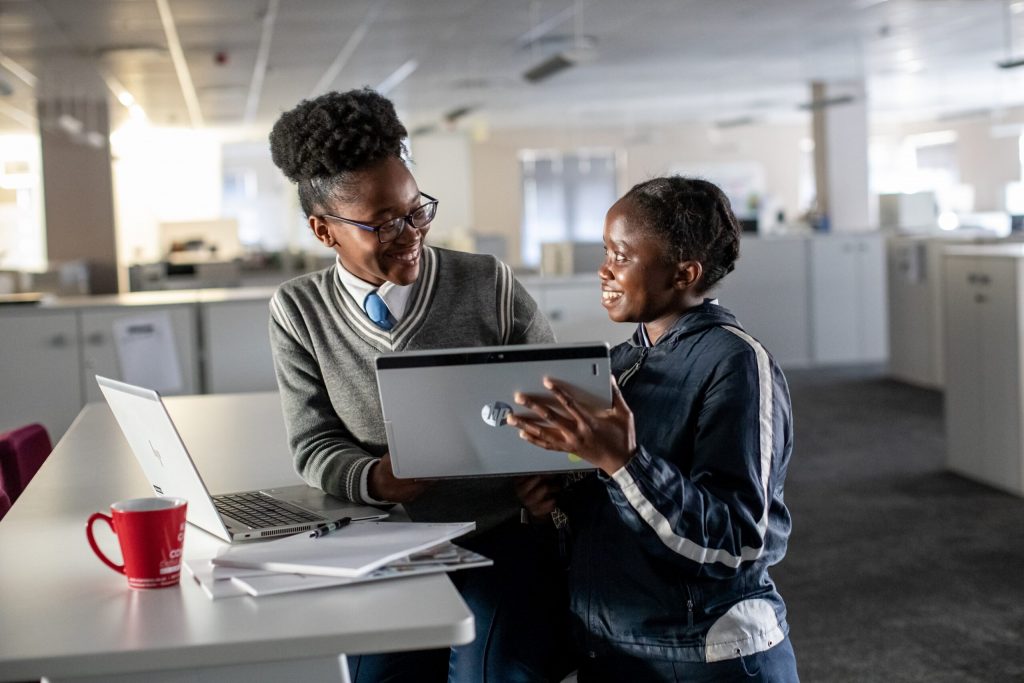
(377, 310)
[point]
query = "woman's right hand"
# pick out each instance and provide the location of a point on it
(384, 485)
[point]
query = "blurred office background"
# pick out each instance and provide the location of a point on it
(873, 150)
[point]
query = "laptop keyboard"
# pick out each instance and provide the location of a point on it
(258, 511)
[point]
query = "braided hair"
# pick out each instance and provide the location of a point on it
(694, 217)
(322, 142)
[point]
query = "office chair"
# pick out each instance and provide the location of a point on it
(22, 453)
(5, 504)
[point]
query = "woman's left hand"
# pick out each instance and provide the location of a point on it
(604, 437)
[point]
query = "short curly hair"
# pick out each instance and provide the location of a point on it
(320, 143)
(694, 217)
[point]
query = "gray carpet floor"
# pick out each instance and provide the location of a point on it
(896, 570)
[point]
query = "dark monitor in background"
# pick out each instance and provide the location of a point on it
(748, 224)
(1017, 223)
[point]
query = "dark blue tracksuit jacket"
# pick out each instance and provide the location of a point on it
(669, 557)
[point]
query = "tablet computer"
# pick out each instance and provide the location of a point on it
(445, 410)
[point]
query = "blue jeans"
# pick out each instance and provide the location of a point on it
(520, 609)
(775, 665)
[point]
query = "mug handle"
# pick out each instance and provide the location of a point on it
(119, 568)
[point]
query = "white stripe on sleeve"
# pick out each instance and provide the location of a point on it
(506, 304)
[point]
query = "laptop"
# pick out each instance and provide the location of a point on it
(445, 411)
(233, 517)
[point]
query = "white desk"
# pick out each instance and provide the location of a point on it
(63, 614)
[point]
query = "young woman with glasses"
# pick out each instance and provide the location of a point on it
(389, 291)
(673, 536)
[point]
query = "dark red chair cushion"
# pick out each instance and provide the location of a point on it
(22, 453)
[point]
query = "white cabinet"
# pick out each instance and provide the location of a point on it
(100, 353)
(811, 300)
(916, 311)
(236, 342)
(39, 377)
(983, 362)
(849, 313)
(50, 354)
(573, 307)
(914, 267)
(767, 292)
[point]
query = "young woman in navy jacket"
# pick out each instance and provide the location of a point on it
(672, 538)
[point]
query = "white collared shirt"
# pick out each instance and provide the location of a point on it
(395, 297)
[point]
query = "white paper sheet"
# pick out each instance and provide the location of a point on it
(354, 550)
(454, 558)
(146, 351)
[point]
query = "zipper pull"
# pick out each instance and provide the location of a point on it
(689, 612)
(626, 375)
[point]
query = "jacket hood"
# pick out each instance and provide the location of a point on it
(697, 319)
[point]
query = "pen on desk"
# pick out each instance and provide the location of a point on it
(325, 529)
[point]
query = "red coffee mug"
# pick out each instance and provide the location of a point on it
(151, 532)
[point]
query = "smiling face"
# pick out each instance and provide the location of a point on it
(381, 192)
(639, 281)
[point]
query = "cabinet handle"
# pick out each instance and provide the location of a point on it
(555, 315)
(980, 298)
(984, 279)
(58, 341)
(972, 278)
(95, 339)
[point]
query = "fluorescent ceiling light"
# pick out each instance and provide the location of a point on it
(188, 90)
(69, 124)
(396, 78)
(18, 115)
(737, 122)
(827, 102)
(346, 52)
(1011, 63)
(259, 69)
(425, 129)
(454, 115)
(18, 70)
(548, 68)
(545, 27)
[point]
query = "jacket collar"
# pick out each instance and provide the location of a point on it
(696, 319)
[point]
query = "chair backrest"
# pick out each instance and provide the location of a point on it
(5, 504)
(10, 482)
(22, 453)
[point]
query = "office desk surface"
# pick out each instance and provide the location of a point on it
(64, 613)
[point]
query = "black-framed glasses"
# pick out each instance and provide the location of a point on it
(389, 231)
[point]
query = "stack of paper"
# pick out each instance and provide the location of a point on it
(358, 553)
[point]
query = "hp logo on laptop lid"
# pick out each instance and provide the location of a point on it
(496, 414)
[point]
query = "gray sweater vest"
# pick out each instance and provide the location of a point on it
(324, 349)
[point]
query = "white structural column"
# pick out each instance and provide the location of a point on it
(840, 124)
